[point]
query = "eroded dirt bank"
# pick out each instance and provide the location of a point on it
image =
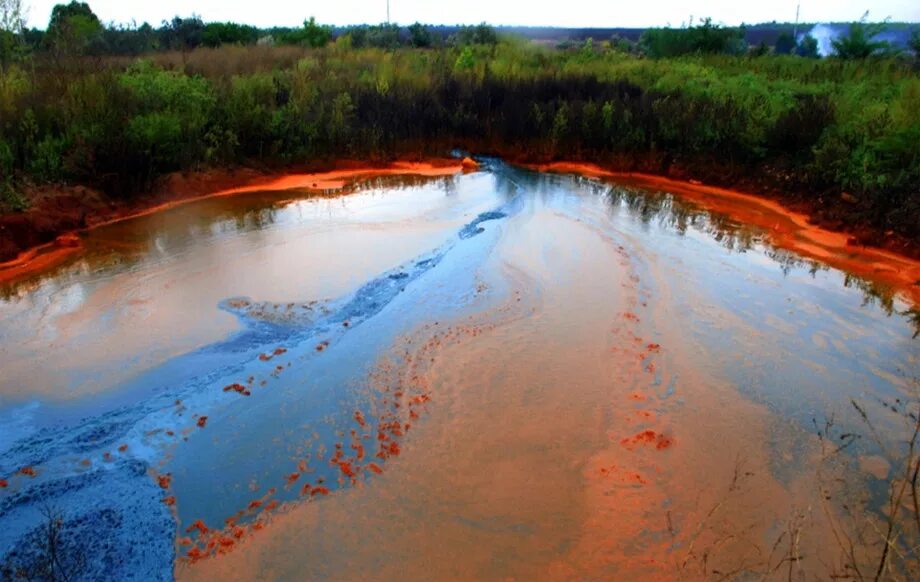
(45, 234)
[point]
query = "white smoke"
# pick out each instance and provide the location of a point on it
(824, 34)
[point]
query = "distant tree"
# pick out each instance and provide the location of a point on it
(358, 36)
(859, 43)
(760, 50)
(471, 35)
(914, 42)
(129, 40)
(12, 25)
(384, 36)
(183, 34)
(311, 34)
(316, 35)
(73, 28)
(707, 38)
(12, 16)
(785, 44)
(419, 35)
(216, 34)
(808, 48)
(620, 44)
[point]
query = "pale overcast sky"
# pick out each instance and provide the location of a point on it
(564, 13)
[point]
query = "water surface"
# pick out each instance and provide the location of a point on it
(495, 375)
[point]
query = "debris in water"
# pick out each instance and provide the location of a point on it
(197, 525)
(648, 437)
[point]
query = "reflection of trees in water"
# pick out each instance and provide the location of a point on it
(125, 245)
(680, 215)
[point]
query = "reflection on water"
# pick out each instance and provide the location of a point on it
(668, 210)
(165, 273)
(502, 374)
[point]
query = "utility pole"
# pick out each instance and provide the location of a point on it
(795, 30)
(388, 11)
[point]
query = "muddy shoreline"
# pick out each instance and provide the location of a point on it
(784, 227)
(47, 233)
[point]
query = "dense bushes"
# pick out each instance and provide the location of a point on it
(833, 126)
(707, 38)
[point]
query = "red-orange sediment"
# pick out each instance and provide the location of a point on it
(198, 525)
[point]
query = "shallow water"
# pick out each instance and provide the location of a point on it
(493, 375)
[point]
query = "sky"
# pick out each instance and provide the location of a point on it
(564, 13)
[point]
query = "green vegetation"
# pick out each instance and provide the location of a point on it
(704, 39)
(860, 43)
(703, 102)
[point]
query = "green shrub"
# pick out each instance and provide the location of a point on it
(47, 160)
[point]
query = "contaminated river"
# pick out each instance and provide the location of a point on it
(495, 375)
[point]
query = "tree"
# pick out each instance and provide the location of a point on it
(216, 34)
(785, 44)
(12, 24)
(808, 48)
(316, 35)
(760, 50)
(12, 16)
(184, 34)
(384, 36)
(914, 43)
(73, 28)
(419, 35)
(707, 38)
(858, 44)
(479, 34)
